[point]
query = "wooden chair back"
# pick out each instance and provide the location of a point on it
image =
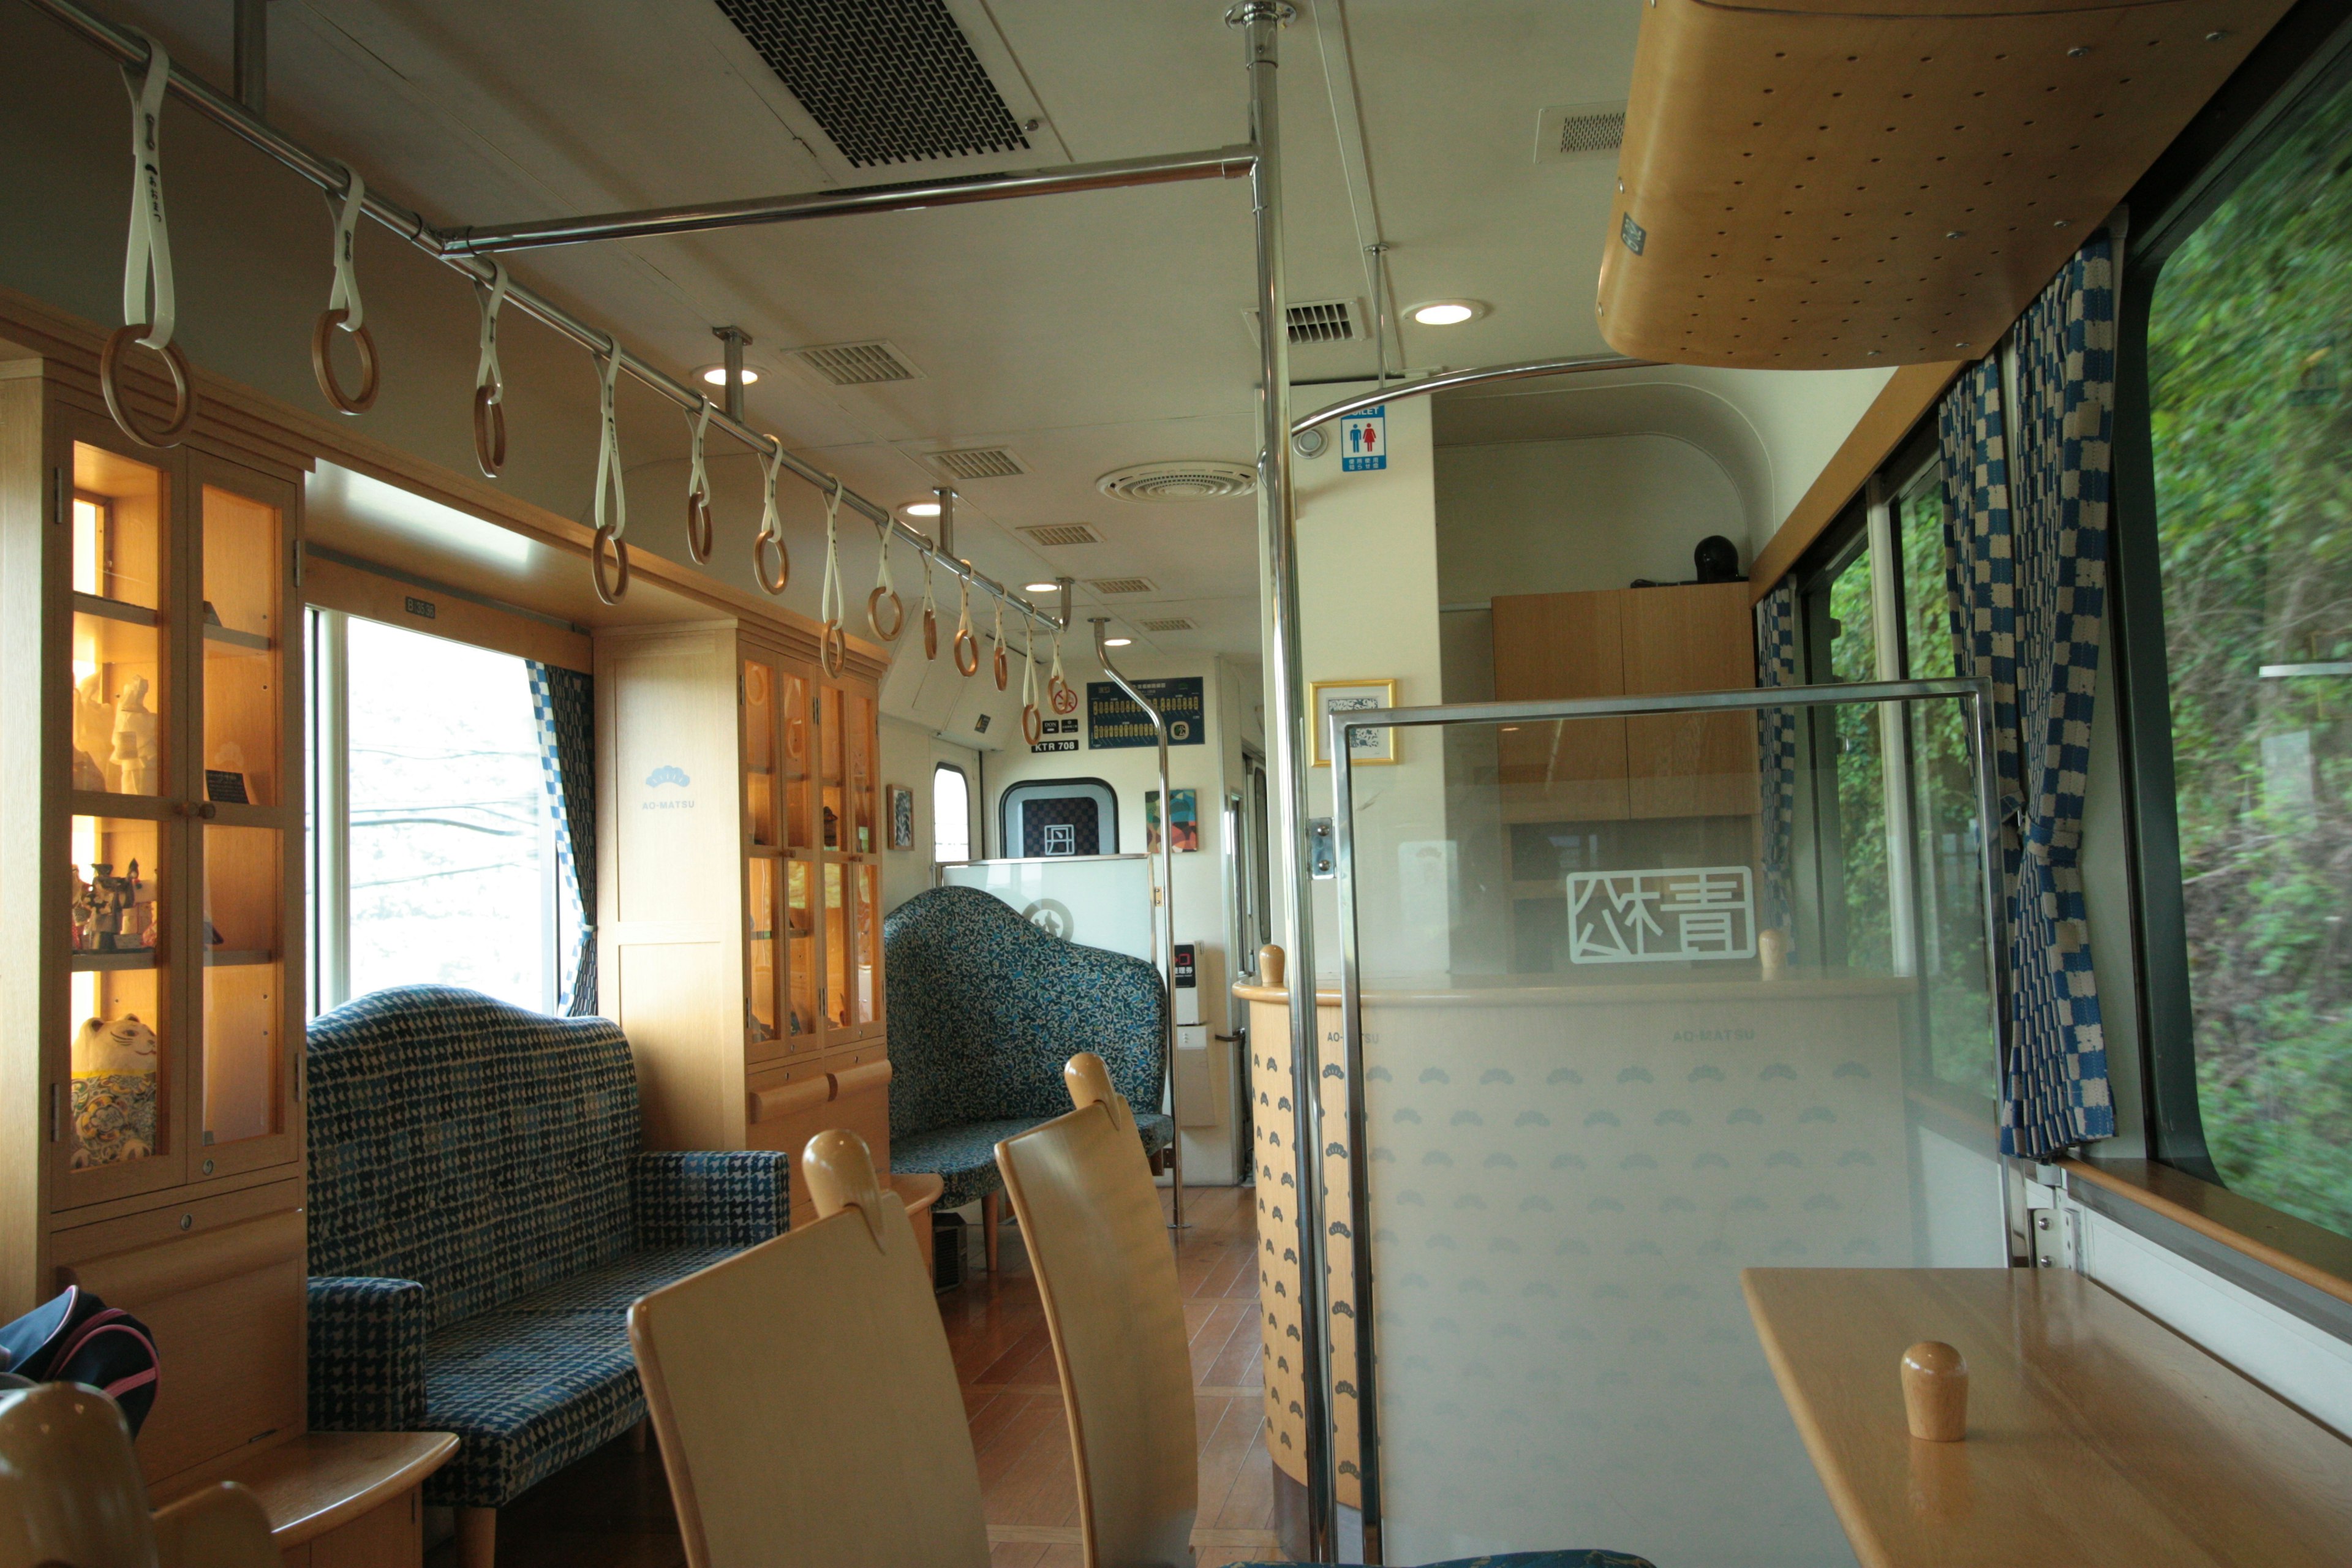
(804, 1397)
(70, 1493)
(1091, 1218)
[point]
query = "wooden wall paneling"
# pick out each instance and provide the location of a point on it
(1699, 637)
(1553, 647)
(1819, 186)
(29, 873)
(225, 1301)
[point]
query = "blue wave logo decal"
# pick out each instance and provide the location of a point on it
(668, 775)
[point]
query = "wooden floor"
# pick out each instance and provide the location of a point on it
(612, 1510)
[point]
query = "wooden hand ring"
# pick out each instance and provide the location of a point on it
(490, 432)
(698, 528)
(1033, 723)
(1060, 694)
(965, 643)
(611, 590)
(834, 650)
(323, 367)
(930, 634)
(1002, 664)
(760, 546)
(183, 391)
(874, 603)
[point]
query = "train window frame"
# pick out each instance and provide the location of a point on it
(2306, 62)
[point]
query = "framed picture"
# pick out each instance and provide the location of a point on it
(1325, 698)
(1185, 817)
(902, 815)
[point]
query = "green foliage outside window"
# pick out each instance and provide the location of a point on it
(2250, 320)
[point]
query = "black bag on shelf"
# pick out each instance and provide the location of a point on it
(76, 1338)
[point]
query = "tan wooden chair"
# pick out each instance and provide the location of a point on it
(70, 1494)
(1091, 1219)
(804, 1397)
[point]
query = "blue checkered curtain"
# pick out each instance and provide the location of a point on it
(2025, 551)
(563, 703)
(1776, 740)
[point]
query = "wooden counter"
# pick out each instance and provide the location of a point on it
(2097, 1436)
(339, 1500)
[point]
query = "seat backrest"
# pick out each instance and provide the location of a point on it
(986, 1008)
(805, 1396)
(70, 1492)
(1091, 1220)
(475, 1146)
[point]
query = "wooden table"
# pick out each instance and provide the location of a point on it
(2097, 1436)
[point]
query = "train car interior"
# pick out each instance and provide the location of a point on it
(1542, 782)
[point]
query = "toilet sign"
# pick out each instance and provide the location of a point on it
(1364, 440)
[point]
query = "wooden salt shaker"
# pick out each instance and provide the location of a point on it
(1936, 1392)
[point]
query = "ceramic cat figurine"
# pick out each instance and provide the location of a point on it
(114, 1045)
(113, 1091)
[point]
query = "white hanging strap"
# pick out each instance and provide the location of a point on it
(346, 295)
(771, 525)
(487, 374)
(882, 582)
(150, 251)
(997, 637)
(1055, 679)
(608, 453)
(829, 599)
(963, 607)
(930, 605)
(1029, 666)
(698, 477)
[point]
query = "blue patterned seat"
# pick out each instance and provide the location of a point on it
(984, 1010)
(481, 1216)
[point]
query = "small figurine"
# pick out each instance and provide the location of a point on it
(101, 903)
(93, 731)
(137, 743)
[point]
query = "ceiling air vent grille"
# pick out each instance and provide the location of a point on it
(1167, 623)
(891, 81)
(1052, 533)
(1182, 480)
(1119, 585)
(1316, 321)
(976, 463)
(1567, 132)
(857, 364)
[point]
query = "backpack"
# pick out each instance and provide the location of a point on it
(76, 1338)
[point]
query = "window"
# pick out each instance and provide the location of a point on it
(437, 860)
(951, 813)
(2248, 326)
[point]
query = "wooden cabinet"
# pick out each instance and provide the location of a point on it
(1621, 642)
(151, 881)
(740, 926)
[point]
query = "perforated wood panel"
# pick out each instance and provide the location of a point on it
(1815, 187)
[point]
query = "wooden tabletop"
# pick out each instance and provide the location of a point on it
(318, 1480)
(2097, 1436)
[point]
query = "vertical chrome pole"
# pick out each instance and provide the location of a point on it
(1167, 909)
(1261, 22)
(945, 494)
(734, 337)
(1066, 583)
(249, 56)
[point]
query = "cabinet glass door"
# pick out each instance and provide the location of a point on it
(765, 1032)
(248, 845)
(123, 1079)
(831, 802)
(760, 781)
(799, 794)
(866, 982)
(121, 513)
(799, 962)
(864, 830)
(838, 963)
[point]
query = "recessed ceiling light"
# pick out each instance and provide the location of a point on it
(921, 509)
(1118, 642)
(1447, 312)
(716, 375)
(1041, 587)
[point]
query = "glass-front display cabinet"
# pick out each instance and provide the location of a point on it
(150, 865)
(812, 859)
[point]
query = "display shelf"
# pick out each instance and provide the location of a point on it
(237, 957)
(113, 610)
(95, 963)
(227, 642)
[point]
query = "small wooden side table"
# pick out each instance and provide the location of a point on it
(342, 1499)
(918, 1190)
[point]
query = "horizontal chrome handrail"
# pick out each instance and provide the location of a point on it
(1446, 381)
(1660, 702)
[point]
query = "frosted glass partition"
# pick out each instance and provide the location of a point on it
(1617, 1036)
(1095, 901)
